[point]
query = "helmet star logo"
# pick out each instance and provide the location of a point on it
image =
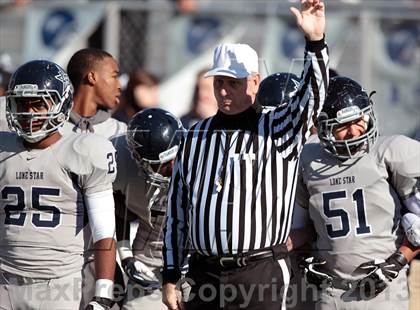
(296, 84)
(62, 77)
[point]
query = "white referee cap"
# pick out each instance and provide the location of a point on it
(234, 60)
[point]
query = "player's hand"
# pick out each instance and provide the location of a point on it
(386, 270)
(370, 286)
(100, 303)
(140, 274)
(374, 283)
(311, 18)
(172, 297)
(310, 268)
(379, 273)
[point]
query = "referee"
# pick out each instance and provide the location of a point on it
(232, 189)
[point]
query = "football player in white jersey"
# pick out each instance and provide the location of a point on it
(94, 74)
(354, 186)
(47, 182)
(145, 161)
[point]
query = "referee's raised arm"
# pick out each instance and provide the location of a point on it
(291, 123)
(233, 185)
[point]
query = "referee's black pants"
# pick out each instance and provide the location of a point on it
(259, 285)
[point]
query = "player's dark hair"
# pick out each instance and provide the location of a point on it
(82, 62)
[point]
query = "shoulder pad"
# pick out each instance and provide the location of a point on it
(397, 147)
(85, 152)
(110, 128)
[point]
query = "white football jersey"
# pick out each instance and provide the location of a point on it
(147, 202)
(355, 205)
(43, 221)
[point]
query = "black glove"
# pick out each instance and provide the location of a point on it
(140, 274)
(313, 276)
(379, 272)
(100, 303)
(393, 265)
(370, 286)
(385, 269)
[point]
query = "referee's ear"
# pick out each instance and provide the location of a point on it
(255, 82)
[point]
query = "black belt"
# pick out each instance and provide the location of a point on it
(334, 282)
(231, 261)
(340, 284)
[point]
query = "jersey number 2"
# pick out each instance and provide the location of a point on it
(19, 215)
(111, 162)
(359, 202)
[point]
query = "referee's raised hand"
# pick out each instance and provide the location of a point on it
(311, 18)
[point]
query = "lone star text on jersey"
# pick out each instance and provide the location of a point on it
(343, 180)
(29, 175)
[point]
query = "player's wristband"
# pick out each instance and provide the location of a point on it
(124, 249)
(104, 288)
(399, 258)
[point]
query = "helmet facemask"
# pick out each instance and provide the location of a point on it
(351, 148)
(154, 178)
(151, 176)
(51, 120)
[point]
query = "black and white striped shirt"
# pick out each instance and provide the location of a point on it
(234, 179)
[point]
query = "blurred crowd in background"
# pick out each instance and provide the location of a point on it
(163, 46)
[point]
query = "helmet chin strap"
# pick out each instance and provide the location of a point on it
(152, 201)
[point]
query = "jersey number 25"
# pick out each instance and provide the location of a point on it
(15, 214)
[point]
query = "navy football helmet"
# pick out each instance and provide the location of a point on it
(277, 89)
(153, 137)
(347, 101)
(43, 80)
